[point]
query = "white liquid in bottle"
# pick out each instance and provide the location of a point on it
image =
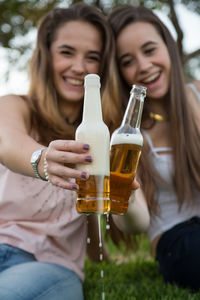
(93, 194)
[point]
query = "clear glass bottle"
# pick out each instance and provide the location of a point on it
(126, 145)
(93, 194)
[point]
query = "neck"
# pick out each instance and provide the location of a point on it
(158, 110)
(71, 112)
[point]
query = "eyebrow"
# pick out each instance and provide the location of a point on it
(142, 47)
(149, 43)
(73, 49)
(66, 46)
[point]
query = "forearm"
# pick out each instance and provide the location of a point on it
(16, 144)
(137, 219)
(16, 148)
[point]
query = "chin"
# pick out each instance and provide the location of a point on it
(72, 98)
(157, 95)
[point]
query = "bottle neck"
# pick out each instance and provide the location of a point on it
(133, 113)
(92, 111)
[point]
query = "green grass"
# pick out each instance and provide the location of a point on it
(132, 276)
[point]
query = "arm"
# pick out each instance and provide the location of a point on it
(137, 218)
(17, 146)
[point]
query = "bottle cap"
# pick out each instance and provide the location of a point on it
(92, 80)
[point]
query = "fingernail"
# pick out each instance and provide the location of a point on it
(86, 147)
(88, 158)
(75, 187)
(84, 175)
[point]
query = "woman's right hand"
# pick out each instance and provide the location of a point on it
(61, 157)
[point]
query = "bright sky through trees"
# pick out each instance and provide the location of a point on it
(189, 22)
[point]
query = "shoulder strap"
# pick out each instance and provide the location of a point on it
(147, 136)
(155, 149)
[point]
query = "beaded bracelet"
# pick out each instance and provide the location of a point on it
(45, 170)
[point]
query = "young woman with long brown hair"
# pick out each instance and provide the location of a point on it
(169, 170)
(42, 237)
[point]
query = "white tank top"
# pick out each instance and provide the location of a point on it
(169, 213)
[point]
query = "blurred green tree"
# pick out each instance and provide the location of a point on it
(19, 17)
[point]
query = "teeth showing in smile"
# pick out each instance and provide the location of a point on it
(151, 78)
(74, 81)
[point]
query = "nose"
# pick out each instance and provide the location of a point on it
(144, 63)
(78, 65)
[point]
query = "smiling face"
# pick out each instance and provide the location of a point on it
(144, 59)
(75, 52)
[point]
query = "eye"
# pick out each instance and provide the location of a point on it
(93, 58)
(66, 52)
(127, 62)
(149, 51)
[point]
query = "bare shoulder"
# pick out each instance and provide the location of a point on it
(193, 102)
(14, 108)
(14, 103)
(12, 99)
(197, 84)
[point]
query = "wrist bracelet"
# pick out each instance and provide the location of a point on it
(45, 170)
(35, 159)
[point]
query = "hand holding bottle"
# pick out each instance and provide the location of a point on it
(61, 158)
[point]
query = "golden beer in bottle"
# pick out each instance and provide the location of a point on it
(93, 194)
(126, 144)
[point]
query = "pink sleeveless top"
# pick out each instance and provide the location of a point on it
(42, 219)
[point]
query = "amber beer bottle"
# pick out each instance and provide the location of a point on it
(126, 144)
(93, 194)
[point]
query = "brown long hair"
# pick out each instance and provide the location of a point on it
(42, 95)
(184, 133)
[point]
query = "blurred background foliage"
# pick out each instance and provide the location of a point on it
(18, 19)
